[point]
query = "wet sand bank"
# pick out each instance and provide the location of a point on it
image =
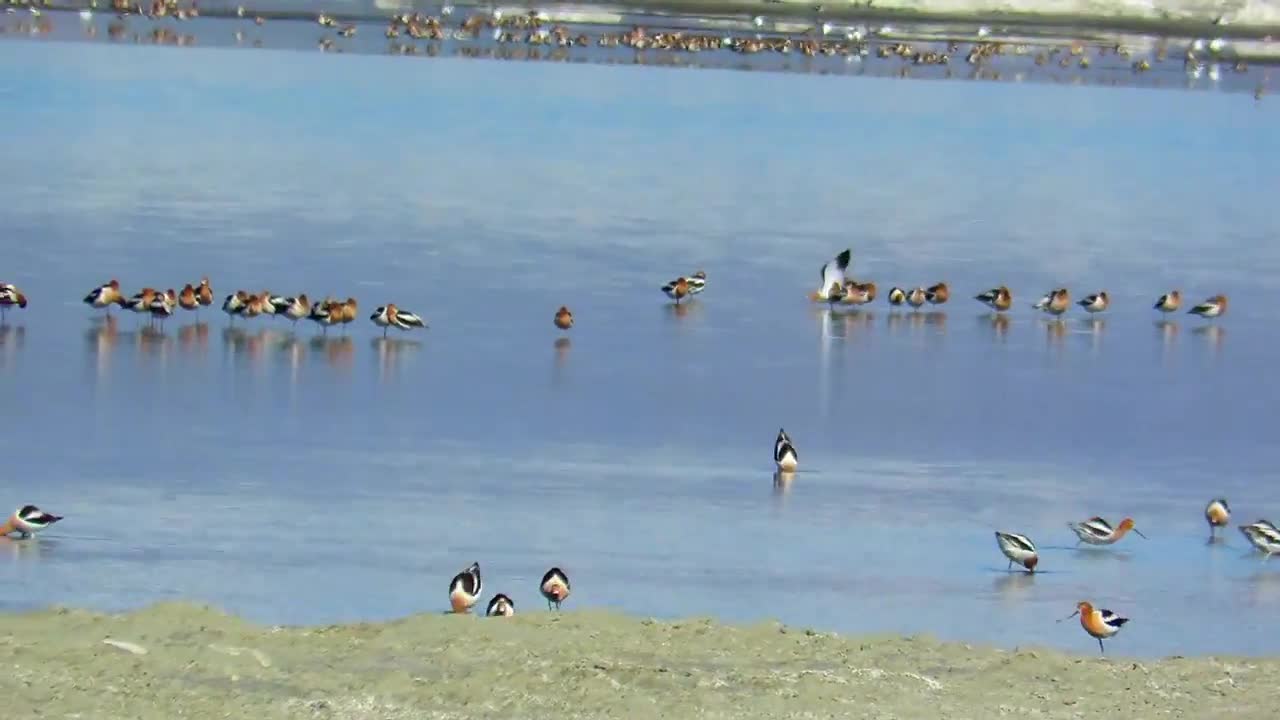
(181, 660)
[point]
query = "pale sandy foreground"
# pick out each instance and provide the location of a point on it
(177, 660)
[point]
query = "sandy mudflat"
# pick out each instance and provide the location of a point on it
(200, 663)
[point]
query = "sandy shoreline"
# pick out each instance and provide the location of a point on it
(198, 662)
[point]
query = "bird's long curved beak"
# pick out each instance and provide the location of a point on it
(1077, 612)
(1144, 537)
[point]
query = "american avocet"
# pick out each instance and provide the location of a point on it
(1263, 536)
(915, 297)
(252, 306)
(163, 305)
(188, 299)
(204, 293)
(1019, 549)
(1054, 302)
(1211, 308)
(350, 309)
(265, 305)
(564, 318)
(319, 313)
(1097, 531)
(501, 606)
(389, 316)
(27, 521)
(1096, 302)
(106, 295)
(297, 308)
(141, 301)
(937, 294)
(677, 289)
(1217, 513)
(1098, 622)
(832, 273)
(465, 589)
(235, 303)
(10, 295)
(856, 293)
(897, 296)
(697, 282)
(554, 587)
(1169, 302)
(998, 299)
(279, 305)
(784, 453)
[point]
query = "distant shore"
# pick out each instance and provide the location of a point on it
(181, 660)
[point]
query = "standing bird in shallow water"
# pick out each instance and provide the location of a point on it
(1019, 549)
(697, 282)
(104, 296)
(564, 318)
(188, 299)
(832, 273)
(998, 299)
(1096, 302)
(27, 521)
(204, 293)
(1263, 536)
(390, 316)
(1217, 513)
(1054, 302)
(916, 297)
(554, 587)
(897, 296)
(1169, 302)
(784, 453)
(1097, 531)
(10, 295)
(1099, 623)
(464, 589)
(1211, 308)
(677, 289)
(500, 606)
(235, 304)
(937, 294)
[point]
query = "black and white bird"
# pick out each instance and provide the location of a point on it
(784, 452)
(464, 589)
(554, 587)
(27, 521)
(1019, 549)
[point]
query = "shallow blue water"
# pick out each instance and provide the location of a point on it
(296, 479)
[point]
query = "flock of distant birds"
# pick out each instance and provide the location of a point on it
(466, 587)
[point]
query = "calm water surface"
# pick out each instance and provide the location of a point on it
(298, 479)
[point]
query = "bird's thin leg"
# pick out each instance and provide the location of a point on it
(1009, 566)
(1100, 648)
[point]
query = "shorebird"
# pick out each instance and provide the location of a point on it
(998, 299)
(856, 293)
(1054, 302)
(1098, 622)
(27, 521)
(554, 587)
(10, 295)
(350, 309)
(141, 301)
(204, 293)
(677, 289)
(1096, 302)
(1217, 513)
(319, 313)
(1169, 302)
(163, 305)
(1211, 308)
(937, 294)
(697, 282)
(1096, 531)
(106, 295)
(784, 453)
(1263, 536)
(564, 318)
(1019, 549)
(465, 589)
(897, 296)
(296, 308)
(501, 606)
(915, 297)
(188, 299)
(389, 316)
(832, 273)
(235, 304)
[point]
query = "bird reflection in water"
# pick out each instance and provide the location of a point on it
(1014, 586)
(25, 549)
(12, 338)
(337, 351)
(677, 311)
(153, 343)
(1055, 331)
(1168, 332)
(782, 482)
(389, 350)
(936, 320)
(100, 339)
(1094, 328)
(1212, 334)
(999, 324)
(194, 338)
